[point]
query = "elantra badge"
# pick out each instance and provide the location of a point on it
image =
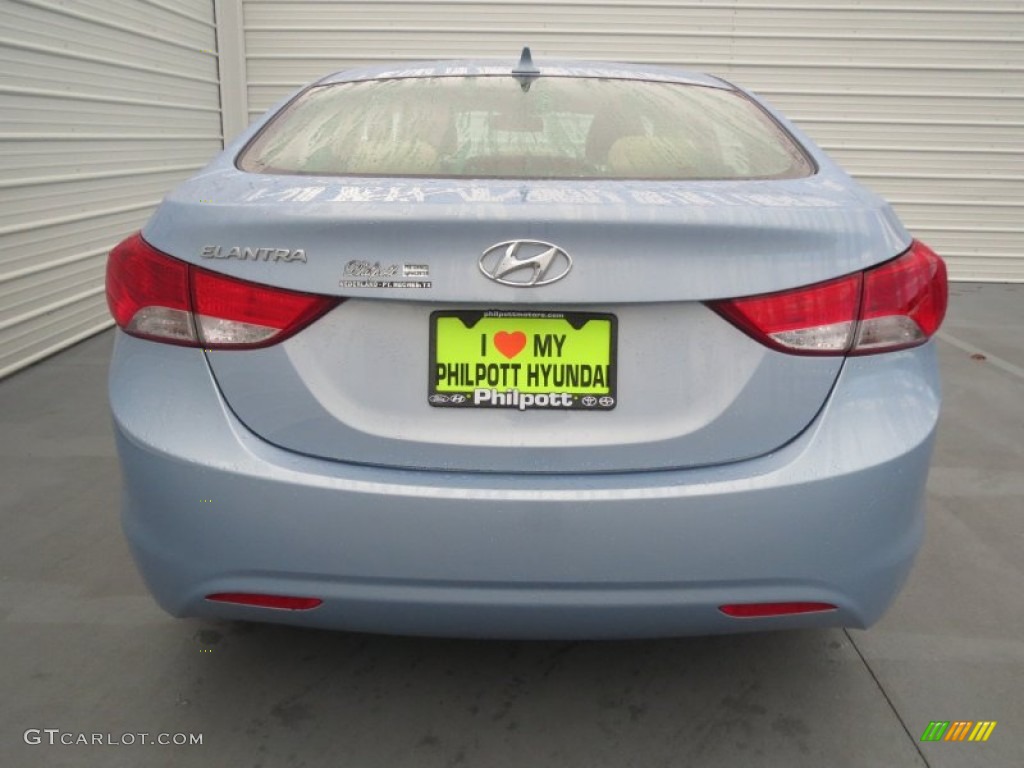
(253, 254)
(525, 263)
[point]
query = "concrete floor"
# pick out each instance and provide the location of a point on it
(86, 651)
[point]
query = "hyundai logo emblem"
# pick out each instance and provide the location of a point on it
(525, 263)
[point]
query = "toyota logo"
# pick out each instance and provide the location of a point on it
(525, 263)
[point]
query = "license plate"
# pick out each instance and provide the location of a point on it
(522, 360)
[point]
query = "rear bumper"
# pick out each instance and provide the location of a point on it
(835, 516)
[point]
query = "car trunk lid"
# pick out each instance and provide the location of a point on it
(690, 390)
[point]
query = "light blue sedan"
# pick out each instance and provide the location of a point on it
(534, 350)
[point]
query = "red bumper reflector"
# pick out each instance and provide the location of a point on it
(267, 601)
(760, 610)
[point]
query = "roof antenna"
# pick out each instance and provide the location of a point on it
(526, 71)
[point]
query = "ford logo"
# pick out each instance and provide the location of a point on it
(525, 263)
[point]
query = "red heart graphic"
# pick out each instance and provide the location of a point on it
(509, 344)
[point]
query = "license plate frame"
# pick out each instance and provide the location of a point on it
(514, 347)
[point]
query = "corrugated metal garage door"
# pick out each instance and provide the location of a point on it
(104, 106)
(923, 100)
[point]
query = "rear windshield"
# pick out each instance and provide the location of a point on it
(489, 127)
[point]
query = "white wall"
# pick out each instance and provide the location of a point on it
(104, 106)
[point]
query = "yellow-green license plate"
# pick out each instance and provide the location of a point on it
(522, 360)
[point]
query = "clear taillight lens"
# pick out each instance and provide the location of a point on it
(895, 305)
(154, 296)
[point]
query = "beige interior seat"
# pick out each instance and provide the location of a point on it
(652, 157)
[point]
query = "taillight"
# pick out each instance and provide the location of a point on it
(154, 296)
(818, 320)
(904, 302)
(892, 306)
(147, 293)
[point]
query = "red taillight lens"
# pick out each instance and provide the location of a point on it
(154, 296)
(284, 602)
(232, 312)
(904, 301)
(148, 295)
(761, 610)
(896, 305)
(817, 320)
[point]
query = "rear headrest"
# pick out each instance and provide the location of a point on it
(605, 130)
